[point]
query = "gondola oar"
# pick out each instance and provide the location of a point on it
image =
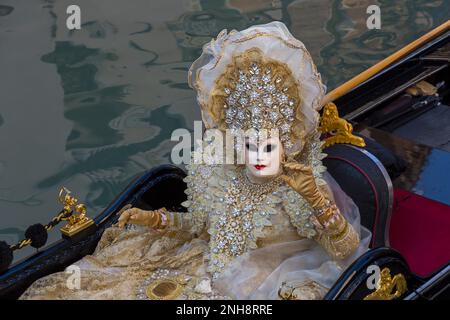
(365, 75)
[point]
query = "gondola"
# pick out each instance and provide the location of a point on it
(379, 144)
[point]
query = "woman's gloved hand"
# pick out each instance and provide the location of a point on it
(301, 179)
(152, 219)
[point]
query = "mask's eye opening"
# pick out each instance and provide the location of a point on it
(251, 147)
(270, 147)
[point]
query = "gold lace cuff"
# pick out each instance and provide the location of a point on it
(337, 236)
(173, 220)
(180, 221)
(340, 246)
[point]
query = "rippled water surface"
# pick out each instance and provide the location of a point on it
(90, 109)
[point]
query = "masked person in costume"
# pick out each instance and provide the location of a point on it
(275, 227)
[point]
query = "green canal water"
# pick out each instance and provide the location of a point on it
(90, 109)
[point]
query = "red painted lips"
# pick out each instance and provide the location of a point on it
(259, 166)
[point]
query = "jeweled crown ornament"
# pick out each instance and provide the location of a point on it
(258, 95)
(259, 78)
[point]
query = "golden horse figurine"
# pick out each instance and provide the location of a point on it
(340, 129)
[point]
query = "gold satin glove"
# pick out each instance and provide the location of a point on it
(152, 219)
(302, 180)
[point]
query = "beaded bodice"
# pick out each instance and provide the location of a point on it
(240, 216)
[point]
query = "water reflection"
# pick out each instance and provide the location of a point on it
(425, 171)
(90, 109)
(5, 10)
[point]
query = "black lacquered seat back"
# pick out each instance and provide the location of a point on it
(366, 181)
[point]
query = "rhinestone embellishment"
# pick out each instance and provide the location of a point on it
(258, 101)
(234, 228)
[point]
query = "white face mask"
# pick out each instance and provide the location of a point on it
(263, 158)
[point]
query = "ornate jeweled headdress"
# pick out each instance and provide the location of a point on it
(259, 78)
(258, 93)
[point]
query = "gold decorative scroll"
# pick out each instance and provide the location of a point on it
(339, 129)
(388, 288)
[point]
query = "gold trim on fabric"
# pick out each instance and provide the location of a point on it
(164, 289)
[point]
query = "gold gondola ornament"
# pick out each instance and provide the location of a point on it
(386, 286)
(339, 129)
(78, 221)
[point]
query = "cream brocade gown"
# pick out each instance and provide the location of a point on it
(237, 240)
